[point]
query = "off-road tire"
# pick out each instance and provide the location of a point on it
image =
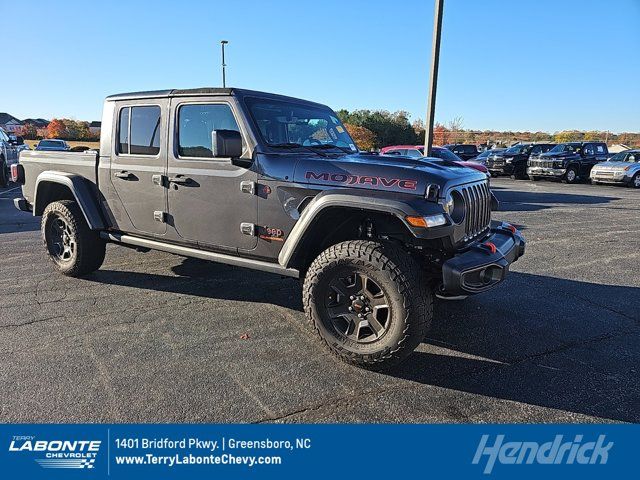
(534, 178)
(398, 275)
(89, 249)
(568, 178)
(4, 179)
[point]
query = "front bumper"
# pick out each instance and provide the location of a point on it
(546, 172)
(504, 169)
(484, 264)
(609, 177)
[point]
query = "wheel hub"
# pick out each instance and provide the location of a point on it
(358, 307)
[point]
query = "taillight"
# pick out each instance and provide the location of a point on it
(17, 173)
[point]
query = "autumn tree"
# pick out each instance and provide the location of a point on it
(440, 134)
(388, 128)
(56, 129)
(28, 131)
(365, 139)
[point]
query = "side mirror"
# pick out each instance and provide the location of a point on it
(226, 144)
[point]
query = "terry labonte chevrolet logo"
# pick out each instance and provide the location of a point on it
(57, 453)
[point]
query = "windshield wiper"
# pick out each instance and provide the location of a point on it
(326, 146)
(297, 145)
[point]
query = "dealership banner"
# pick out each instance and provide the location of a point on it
(316, 451)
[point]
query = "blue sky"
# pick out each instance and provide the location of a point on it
(505, 64)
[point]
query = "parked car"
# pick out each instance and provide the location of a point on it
(240, 177)
(513, 161)
(482, 158)
(570, 162)
(623, 167)
(463, 150)
(53, 145)
(8, 156)
(436, 152)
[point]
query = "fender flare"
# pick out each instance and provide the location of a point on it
(355, 199)
(81, 189)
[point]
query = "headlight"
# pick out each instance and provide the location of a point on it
(454, 206)
(426, 222)
(508, 160)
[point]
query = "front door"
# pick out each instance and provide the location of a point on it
(206, 203)
(139, 163)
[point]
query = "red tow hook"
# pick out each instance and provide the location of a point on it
(491, 246)
(511, 228)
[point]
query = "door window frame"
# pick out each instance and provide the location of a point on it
(176, 130)
(117, 135)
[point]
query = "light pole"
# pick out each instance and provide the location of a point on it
(433, 80)
(224, 80)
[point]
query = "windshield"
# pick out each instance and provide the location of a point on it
(564, 147)
(517, 149)
(445, 154)
(283, 123)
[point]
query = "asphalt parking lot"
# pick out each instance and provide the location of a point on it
(158, 338)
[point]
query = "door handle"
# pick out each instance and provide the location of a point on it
(180, 180)
(125, 175)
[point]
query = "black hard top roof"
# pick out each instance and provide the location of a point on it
(204, 91)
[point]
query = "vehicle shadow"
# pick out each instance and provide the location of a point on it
(521, 201)
(544, 341)
(13, 220)
(534, 339)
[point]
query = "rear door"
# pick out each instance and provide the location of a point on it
(139, 161)
(206, 198)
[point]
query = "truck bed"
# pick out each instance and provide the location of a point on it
(35, 162)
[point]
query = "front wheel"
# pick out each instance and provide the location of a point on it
(635, 181)
(368, 303)
(571, 176)
(72, 246)
(533, 178)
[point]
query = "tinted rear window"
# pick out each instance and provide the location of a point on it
(143, 125)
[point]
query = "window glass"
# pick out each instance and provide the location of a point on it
(632, 157)
(589, 150)
(145, 131)
(196, 125)
(123, 131)
(289, 124)
(444, 154)
(599, 149)
(469, 149)
(412, 152)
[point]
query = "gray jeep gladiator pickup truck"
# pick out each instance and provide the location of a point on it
(276, 184)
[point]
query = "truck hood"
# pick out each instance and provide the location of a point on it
(556, 155)
(383, 172)
(612, 165)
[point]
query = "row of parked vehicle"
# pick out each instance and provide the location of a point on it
(570, 162)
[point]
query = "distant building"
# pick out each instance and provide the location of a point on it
(618, 147)
(10, 123)
(94, 128)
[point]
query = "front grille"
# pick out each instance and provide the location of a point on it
(477, 200)
(542, 163)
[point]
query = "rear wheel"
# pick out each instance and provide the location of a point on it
(72, 246)
(368, 303)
